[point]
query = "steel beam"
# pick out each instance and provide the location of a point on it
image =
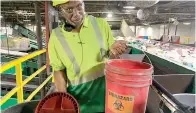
(39, 42)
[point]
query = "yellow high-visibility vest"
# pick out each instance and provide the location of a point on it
(81, 54)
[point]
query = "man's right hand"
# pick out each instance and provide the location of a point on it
(118, 48)
(60, 81)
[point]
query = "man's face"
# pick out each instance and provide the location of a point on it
(73, 12)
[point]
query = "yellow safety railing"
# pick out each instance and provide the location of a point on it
(20, 83)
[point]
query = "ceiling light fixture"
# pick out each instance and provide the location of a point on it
(43, 27)
(129, 7)
(109, 15)
(29, 24)
(128, 11)
(1, 16)
(146, 24)
(172, 19)
(26, 20)
(186, 23)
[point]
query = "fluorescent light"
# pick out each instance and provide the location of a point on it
(113, 20)
(109, 15)
(127, 11)
(1, 16)
(129, 7)
(186, 23)
(43, 28)
(29, 24)
(145, 23)
(172, 19)
(26, 20)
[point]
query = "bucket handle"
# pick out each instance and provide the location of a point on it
(148, 60)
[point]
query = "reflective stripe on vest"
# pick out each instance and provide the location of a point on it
(99, 35)
(67, 50)
(89, 76)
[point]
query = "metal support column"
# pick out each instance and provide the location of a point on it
(47, 37)
(135, 30)
(39, 42)
(176, 29)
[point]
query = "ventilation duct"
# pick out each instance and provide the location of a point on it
(143, 3)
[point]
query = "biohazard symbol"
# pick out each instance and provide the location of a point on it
(118, 105)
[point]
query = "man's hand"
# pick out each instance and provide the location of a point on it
(118, 48)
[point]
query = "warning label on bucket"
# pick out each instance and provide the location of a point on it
(120, 103)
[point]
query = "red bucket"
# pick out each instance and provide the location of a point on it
(127, 86)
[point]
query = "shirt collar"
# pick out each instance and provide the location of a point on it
(85, 24)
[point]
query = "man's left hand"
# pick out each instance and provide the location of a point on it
(118, 48)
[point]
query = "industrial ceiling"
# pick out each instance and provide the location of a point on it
(136, 12)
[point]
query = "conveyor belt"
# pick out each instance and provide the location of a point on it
(15, 53)
(29, 34)
(10, 77)
(5, 83)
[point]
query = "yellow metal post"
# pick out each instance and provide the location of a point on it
(8, 96)
(19, 82)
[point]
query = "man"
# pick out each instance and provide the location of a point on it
(77, 52)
